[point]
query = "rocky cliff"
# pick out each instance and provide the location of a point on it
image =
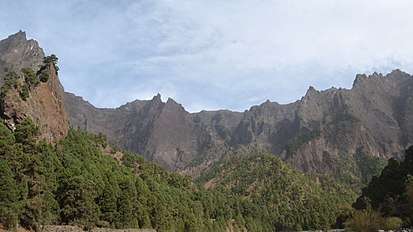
(323, 132)
(16, 52)
(44, 102)
(315, 134)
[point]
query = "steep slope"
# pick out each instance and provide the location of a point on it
(316, 134)
(390, 194)
(330, 131)
(16, 52)
(28, 96)
(50, 174)
(369, 119)
(161, 131)
(284, 197)
(77, 182)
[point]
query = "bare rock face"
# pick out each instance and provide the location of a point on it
(44, 104)
(314, 134)
(16, 52)
(163, 132)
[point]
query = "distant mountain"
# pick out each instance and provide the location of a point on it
(51, 174)
(161, 131)
(315, 134)
(333, 131)
(339, 137)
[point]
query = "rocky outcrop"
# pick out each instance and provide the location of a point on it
(314, 134)
(325, 127)
(164, 132)
(44, 104)
(16, 52)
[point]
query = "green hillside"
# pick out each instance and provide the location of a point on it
(387, 201)
(83, 180)
(282, 197)
(78, 182)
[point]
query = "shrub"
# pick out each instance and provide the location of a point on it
(392, 223)
(44, 76)
(24, 92)
(366, 220)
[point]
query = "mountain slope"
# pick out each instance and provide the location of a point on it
(16, 52)
(83, 181)
(283, 197)
(315, 133)
(31, 87)
(49, 170)
(53, 175)
(154, 128)
(391, 192)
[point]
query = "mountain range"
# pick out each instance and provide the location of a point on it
(330, 131)
(298, 166)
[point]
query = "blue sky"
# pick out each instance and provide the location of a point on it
(214, 54)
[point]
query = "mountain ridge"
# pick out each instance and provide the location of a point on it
(365, 113)
(316, 133)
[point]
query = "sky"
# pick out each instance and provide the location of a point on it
(214, 54)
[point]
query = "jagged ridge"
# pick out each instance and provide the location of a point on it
(315, 133)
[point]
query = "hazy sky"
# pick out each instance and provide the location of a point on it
(214, 54)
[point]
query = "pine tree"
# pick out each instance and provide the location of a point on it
(126, 205)
(8, 196)
(78, 203)
(107, 205)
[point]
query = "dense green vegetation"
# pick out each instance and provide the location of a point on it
(357, 170)
(10, 81)
(388, 197)
(44, 70)
(282, 197)
(74, 182)
(27, 78)
(78, 182)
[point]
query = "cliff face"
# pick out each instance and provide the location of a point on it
(16, 52)
(315, 133)
(164, 132)
(44, 104)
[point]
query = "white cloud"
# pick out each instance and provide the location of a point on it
(216, 54)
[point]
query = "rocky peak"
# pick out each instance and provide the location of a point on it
(157, 98)
(172, 106)
(396, 75)
(311, 91)
(398, 72)
(324, 125)
(313, 133)
(16, 52)
(20, 35)
(44, 101)
(359, 78)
